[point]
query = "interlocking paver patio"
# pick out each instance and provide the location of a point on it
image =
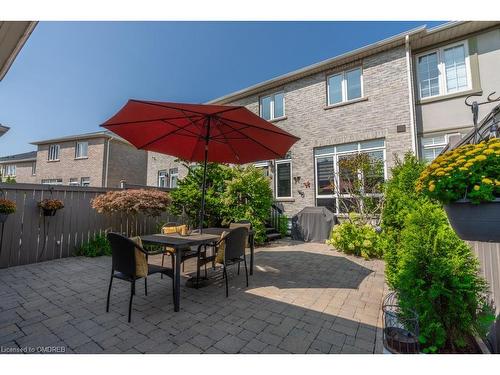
(302, 298)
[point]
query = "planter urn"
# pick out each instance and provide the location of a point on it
(475, 222)
(48, 212)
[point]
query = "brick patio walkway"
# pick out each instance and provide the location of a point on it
(303, 298)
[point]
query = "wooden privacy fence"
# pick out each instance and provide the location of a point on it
(29, 237)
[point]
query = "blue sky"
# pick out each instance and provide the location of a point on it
(71, 76)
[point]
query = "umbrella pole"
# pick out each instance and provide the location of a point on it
(204, 187)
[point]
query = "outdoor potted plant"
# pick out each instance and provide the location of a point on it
(467, 181)
(50, 206)
(7, 207)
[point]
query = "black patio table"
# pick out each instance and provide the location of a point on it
(180, 244)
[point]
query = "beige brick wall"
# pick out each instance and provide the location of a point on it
(68, 167)
(158, 162)
(126, 163)
(23, 171)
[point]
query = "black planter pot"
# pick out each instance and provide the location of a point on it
(3, 217)
(48, 212)
(475, 222)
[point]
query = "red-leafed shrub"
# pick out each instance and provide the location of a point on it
(151, 202)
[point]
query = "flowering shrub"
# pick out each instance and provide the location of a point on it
(151, 202)
(7, 206)
(353, 237)
(469, 171)
(51, 204)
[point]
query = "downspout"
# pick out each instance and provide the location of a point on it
(106, 167)
(411, 97)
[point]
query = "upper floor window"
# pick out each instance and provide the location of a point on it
(162, 178)
(81, 150)
(173, 177)
(443, 71)
(9, 170)
(54, 152)
(272, 106)
(345, 86)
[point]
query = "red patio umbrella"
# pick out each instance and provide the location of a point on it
(200, 133)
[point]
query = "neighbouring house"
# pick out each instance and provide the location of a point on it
(451, 62)
(3, 129)
(404, 93)
(99, 159)
(21, 167)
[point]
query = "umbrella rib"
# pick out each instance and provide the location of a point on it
(231, 131)
(160, 138)
(150, 120)
(183, 128)
(258, 127)
(229, 144)
(254, 140)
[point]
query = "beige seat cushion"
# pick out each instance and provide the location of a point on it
(141, 263)
(219, 257)
(181, 229)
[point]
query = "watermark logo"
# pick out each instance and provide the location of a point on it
(33, 349)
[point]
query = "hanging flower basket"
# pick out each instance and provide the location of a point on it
(49, 207)
(7, 207)
(475, 222)
(467, 181)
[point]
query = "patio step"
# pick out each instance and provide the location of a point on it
(273, 236)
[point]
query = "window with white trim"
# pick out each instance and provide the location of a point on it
(272, 106)
(9, 170)
(81, 150)
(74, 182)
(162, 178)
(283, 178)
(433, 145)
(85, 181)
(54, 152)
(443, 71)
(332, 179)
(173, 176)
(52, 181)
(345, 86)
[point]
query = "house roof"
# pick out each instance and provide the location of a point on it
(26, 156)
(98, 134)
(3, 129)
(13, 35)
(419, 37)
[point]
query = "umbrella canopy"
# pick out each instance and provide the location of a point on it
(200, 133)
(233, 133)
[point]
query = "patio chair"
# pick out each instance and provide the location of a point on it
(129, 263)
(230, 249)
(171, 228)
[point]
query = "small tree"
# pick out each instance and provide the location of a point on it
(151, 202)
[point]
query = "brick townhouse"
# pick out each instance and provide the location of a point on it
(98, 159)
(404, 93)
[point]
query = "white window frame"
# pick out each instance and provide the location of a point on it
(276, 163)
(33, 168)
(57, 151)
(443, 89)
(271, 109)
(165, 177)
(335, 155)
(435, 145)
(75, 182)
(52, 181)
(8, 169)
(344, 86)
(76, 150)
(85, 181)
(171, 174)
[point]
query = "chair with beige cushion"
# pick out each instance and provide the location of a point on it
(129, 263)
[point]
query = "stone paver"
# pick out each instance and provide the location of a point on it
(302, 298)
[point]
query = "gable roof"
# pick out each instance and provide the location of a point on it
(25, 156)
(98, 134)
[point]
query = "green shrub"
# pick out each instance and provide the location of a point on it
(95, 247)
(437, 276)
(353, 237)
(283, 225)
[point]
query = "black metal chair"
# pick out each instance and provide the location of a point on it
(233, 244)
(124, 266)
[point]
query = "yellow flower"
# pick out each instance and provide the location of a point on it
(461, 161)
(463, 168)
(468, 164)
(477, 187)
(497, 183)
(480, 157)
(494, 146)
(488, 151)
(487, 181)
(447, 169)
(440, 173)
(432, 187)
